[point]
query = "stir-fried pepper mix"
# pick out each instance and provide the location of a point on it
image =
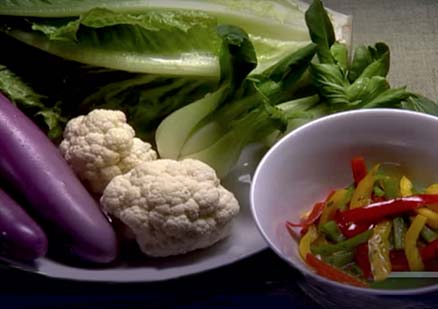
(379, 224)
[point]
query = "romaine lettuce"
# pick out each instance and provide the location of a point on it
(156, 36)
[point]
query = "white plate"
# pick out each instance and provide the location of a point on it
(244, 241)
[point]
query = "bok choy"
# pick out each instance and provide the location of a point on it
(216, 128)
(361, 83)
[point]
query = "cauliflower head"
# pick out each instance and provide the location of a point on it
(102, 145)
(172, 207)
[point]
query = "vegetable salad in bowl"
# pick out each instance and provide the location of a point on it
(379, 224)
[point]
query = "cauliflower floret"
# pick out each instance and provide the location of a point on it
(101, 145)
(172, 207)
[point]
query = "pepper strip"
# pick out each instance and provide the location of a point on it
(391, 187)
(432, 189)
(432, 216)
(362, 194)
(429, 252)
(348, 244)
(398, 260)
(338, 200)
(330, 272)
(358, 168)
(350, 229)
(331, 231)
(311, 218)
(376, 211)
(411, 250)
(405, 186)
(361, 257)
(399, 232)
(378, 246)
(340, 258)
(307, 240)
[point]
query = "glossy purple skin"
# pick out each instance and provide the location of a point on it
(20, 236)
(33, 166)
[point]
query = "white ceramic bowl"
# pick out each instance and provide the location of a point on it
(305, 165)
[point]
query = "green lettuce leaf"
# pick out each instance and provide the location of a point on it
(172, 43)
(159, 37)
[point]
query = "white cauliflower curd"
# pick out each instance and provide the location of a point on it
(102, 145)
(172, 207)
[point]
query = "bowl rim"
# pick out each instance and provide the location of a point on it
(305, 270)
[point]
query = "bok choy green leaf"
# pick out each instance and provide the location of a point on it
(361, 83)
(218, 134)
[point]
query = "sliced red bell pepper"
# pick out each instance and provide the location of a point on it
(331, 272)
(376, 211)
(350, 229)
(362, 260)
(358, 168)
(430, 251)
(314, 215)
(311, 218)
(429, 255)
(399, 262)
(431, 265)
(377, 199)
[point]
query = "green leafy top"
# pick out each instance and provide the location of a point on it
(361, 83)
(31, 103)
(321, 30)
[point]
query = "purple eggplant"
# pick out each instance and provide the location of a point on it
(21, 237)
(33, 166)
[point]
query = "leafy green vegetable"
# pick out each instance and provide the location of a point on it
(321, 30)
(75, 88)
(223, 154)
(361, 59)
(345, 86)
(177, 43)
(379, 66)
(266, 89)
(171, 37)
(246, 115)
(340, 55)
(147, 99)
(421, 104)
(25, 98)
(146, 58)
(237, 59)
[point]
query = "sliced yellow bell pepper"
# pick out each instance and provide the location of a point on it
(338, 200)
(432, 216)
(411, 250)
(378, 248)
(305, 241)
(432, 189)
(362, 193)
(405, 186)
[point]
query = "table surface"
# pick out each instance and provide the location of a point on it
(410, 28)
